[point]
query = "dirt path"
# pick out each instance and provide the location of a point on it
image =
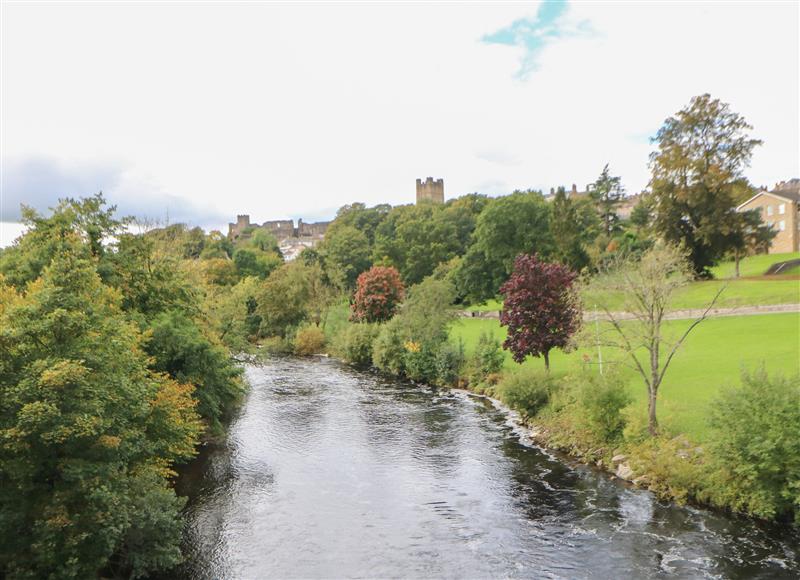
(676, 315)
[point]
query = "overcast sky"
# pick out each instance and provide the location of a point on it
(200, 111)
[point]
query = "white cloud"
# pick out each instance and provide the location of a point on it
(277, 110)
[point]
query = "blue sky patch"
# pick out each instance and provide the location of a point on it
(533, 34)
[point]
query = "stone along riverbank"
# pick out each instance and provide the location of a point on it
(331, 472)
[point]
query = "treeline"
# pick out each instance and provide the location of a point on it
(112, 370)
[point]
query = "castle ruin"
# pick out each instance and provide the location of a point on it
(430, 190)
(291, 240)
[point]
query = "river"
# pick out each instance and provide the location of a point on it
(330, 472)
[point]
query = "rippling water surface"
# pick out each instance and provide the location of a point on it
(330, 473)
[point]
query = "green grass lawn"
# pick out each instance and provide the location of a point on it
(713, 356)
(756, 290)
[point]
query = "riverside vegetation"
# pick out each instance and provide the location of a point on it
(116, 347)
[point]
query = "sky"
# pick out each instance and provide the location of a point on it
(196, 112)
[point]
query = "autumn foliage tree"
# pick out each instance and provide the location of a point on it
(378, 294)
(540, 308)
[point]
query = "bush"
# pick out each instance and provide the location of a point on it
(356, 347)
(449, 363)
(309, 340)
(420, 362)
(602, 399)
(388, 350)
(276, 345)
(756, 446)
(487, 359)
(378, 294)
(527, 390)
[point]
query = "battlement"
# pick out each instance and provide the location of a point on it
(431, 190)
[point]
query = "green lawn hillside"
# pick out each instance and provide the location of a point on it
(752, 288)
(713, 356)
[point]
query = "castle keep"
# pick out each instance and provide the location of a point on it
(430, 190)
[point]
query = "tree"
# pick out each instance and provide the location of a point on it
(283, 300)
(378, 295)
(607, 193)
(696, 178)
(571, 229)
(87, 432)
(509, 226)
(346, 251)
(647, 288)
(749, 234)
(540, 308)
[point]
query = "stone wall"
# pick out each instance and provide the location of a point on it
(430, 190)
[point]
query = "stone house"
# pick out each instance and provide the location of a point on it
(779, 208)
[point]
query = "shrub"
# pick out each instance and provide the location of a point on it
(276, 345)
(356, 347)
(449, 363)
(420, 362)
(487, 359)
(756, 446)
(603, 397)
(309, 340)
(388, 350)
(527, 390)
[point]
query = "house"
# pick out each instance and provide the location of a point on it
(779, 208)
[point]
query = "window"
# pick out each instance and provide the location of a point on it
(782, 208)
(769, 210)
(781, 225)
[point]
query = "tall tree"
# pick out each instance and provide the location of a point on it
(510, 225)
(647, 287)
(571, 228)
(696, 173)
(87, 433)
(607, 194)
(540, 308)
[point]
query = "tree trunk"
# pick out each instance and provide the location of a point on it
(547, 360)
(736, 262)
(652, 424)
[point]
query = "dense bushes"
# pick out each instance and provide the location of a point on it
(487, 359)
(309, 340)
(527, 390)
(756, 446)
(356, 347)
(602, 399)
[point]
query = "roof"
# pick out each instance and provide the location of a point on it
(792, 196)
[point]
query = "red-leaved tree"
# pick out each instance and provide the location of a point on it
(540, 308)
(379, 291)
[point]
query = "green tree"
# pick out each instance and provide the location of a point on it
(283, 302)
(346, 251)
(607, 194)
(87, 433)
(510, 225)
(696, 173)
(571, 229)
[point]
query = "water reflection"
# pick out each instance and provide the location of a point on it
(329, 472)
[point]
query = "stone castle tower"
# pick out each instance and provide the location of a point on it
(430, 190)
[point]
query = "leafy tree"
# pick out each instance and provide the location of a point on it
(510, 225)
(363, 218)
(540, 308)
(570, 231)
(696, 175)
(87, 432)
(283, 299)
(428, 311)
(217, 245)
(182, 350)
(378, 295)
(647, 286)
(253, 262)
(607, 194)
(346, 251)
(749, 234)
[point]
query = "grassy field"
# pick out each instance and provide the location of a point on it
(751, 289)
(713, 356)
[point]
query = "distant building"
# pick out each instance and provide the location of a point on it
(430, 190)
(779, 208)
(291, 240)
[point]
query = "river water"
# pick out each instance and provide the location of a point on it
(330, 472)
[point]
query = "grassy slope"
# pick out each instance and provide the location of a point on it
(712, 357)
(756, 290)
